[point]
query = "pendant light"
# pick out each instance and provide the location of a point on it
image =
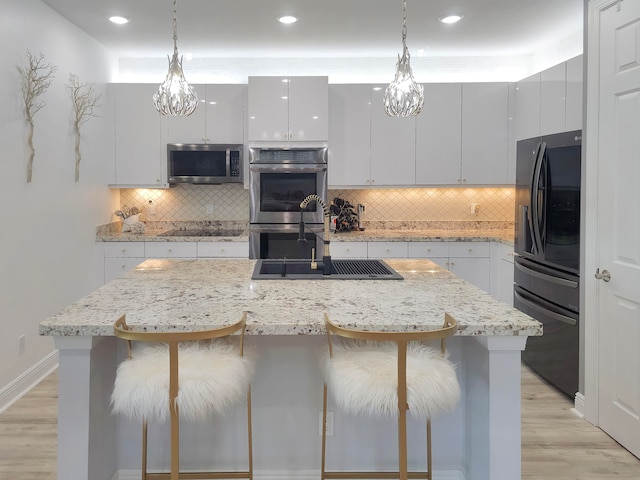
(175, 97)
(403, 97)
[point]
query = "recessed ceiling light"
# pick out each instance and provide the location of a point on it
(118, 20)
(451, 18)
(287, 19)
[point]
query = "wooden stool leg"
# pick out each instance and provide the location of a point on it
(249, 433)
(144, 450)
(324, 431)
(429, 470)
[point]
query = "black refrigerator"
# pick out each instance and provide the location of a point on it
(547, 247)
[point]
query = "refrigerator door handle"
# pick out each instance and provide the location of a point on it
(545, 276)
(534, 192)
(549, 313)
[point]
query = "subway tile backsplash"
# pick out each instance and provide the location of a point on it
(231, 202)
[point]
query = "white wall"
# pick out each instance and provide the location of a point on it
(47, 248)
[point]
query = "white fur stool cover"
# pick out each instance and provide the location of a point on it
(212, 377)
(362, 377)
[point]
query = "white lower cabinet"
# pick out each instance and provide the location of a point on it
(120, 257)
(171, 249)
(223, 249)
(502, 272)
(349, 250)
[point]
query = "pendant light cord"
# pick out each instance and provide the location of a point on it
(404, 25)
(175, 28)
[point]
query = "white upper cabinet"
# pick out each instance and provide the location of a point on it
(552, 99)
(393, 146)
(139, 160)
(485, 112)
(574, 94)
(288, 109)
(438, 135)
(349, 135)
(528, 107)
(219, 117)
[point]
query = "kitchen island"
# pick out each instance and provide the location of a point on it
(478, 441)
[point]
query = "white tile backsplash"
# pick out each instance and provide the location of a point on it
(231, 202)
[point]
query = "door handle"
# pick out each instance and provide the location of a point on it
(605, 275)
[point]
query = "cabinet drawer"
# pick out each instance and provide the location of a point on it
(171, 250)
(469, 249)
(349, 250)
(223, 249)
(123, 249)
(387, 249)
(428, 249)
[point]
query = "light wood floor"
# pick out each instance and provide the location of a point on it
(556, 445)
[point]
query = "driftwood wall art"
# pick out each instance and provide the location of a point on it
(35, 80)
(85, 101)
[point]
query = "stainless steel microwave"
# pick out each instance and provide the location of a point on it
(204, 163)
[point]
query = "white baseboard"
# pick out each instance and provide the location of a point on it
(293, 475)
(578, 405)
(29, 379)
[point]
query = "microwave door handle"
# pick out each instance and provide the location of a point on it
(541, 309)
(228, 162)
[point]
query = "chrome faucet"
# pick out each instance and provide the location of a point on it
(326, 256)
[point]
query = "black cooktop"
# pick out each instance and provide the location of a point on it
(201, 233)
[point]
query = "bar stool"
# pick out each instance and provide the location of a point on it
(182, 375)
(386, 374)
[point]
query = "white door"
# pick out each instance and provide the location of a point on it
(619, 223)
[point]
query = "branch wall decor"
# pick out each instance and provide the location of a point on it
(85, 102)
(35, 80)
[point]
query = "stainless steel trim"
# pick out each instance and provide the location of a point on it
(541, 309)
(542, 273)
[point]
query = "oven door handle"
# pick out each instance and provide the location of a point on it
(541, 309)
(294, 168)
(545, 276)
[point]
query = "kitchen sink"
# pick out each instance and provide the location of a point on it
(345, 269)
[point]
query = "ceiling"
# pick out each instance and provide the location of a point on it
(334, 35)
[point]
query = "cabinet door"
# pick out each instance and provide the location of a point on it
(308, 109)
(438, 156)
(485, 109)
(528, 107)
(268, 108)
(190, 129)
(552, 99)
(502, 272)
(138, 156)
(472, 269)
(574, 94)
(116, 267)
(349, 135)
(393, 146)
(225, 113)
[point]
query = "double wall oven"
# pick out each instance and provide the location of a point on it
(547, 247)
(279, 179)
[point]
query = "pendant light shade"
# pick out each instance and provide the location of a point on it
(175, 97)
(403, 97)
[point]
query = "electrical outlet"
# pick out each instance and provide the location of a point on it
(22, 344)
(329, 425)
(209, 208)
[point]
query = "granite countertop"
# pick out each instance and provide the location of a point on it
(380, 232)
(195, 294)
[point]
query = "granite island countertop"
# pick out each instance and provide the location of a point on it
(194, 294)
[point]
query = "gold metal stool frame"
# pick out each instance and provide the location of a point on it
(172, 339)
(401, 339)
